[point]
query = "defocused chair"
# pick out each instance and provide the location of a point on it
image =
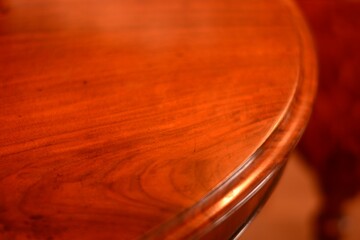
(331, 143)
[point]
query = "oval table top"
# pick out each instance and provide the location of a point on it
(132, 119)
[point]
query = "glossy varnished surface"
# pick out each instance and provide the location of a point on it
(125, 118)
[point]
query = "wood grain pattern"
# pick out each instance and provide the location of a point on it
(130, 119)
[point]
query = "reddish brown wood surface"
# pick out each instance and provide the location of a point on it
(130, 119)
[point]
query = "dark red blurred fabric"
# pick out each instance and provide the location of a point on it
(331, 143)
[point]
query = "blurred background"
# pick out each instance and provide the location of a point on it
(318, 196)
(292, 208)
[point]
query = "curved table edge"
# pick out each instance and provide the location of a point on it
(269, 158)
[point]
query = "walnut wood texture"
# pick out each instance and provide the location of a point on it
(145, 119)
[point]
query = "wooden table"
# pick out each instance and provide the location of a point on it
(146, 119)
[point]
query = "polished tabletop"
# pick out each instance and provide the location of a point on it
(145, 119)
